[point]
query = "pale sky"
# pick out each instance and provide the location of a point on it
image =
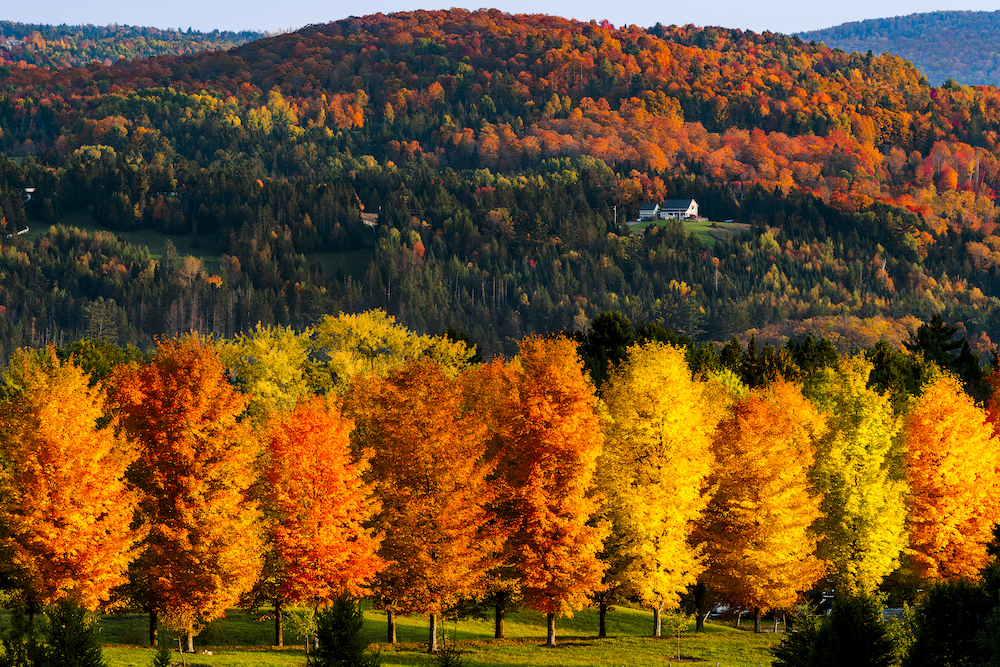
(776, 15)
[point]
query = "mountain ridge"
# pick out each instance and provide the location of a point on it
(959, 45)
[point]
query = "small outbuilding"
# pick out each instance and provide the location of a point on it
(648, 212)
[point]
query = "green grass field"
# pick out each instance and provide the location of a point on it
(706, 231)
(240, 639)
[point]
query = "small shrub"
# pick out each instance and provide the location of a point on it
(71, 638)
(303, 623)
(162, 656)
(449, 655)
(855, 634)
(340, 641)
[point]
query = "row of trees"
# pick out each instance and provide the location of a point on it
(359, 458)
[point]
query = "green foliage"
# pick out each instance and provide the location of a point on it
(797, 648)
(99, 357)
(951, 622)
(71, 637)
(18, 641)
(673, 624)
(303, 623)
(341, 639)
(854, 635)
(162, 656)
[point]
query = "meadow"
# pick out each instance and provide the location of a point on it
(242, 639)
(706, 231)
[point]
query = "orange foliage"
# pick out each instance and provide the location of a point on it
(952, 459)
(758, 528)
(205, 545)
(66, 509)
(321, 504)
(429, 475)
(553, 438)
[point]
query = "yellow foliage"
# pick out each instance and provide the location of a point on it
(657, 456)
(864, 509)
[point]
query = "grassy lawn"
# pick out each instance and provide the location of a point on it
(240, 639)
(706, 231)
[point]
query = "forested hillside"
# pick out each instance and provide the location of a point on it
(959, 45)
(66, 46)
(490, 155)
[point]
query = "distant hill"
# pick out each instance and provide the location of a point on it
(964, 46)
(75, 45)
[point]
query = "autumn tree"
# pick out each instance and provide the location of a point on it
(554, 438)
(196, 465)
(320, 507)
(66, 509)
(657, 457)
(952, 457)
(372, 342)
(859, 472)
(488, 389)
(430, 479)
(758, 529)
(271, 364)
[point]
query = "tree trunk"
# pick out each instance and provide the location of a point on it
(602, 628)
(775, 623)
(432, 639)
(279, 639)
(391, 633)
(500, 629)
(756, 620)
(153, 627)
(31, 616)
(699, 607)
(190, 640)
(657, 624)
(739, 616)
(551, 639)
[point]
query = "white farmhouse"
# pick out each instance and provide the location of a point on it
(678, 209)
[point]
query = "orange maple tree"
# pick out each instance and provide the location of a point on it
(66, 508)
(758, 529)
(321, 506)
(952, 457)
(196, 466)
(554, 437)
(430, 478)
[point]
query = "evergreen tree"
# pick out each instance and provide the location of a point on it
(70, 638)
(341, 641)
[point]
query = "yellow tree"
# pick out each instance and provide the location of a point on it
(373, 343)
(858, 472)
(430, 478)
(271, 364)
(758, 528)
(554, 437)
(952, 457)
(65, 507)
(656, 460)
(196, 466)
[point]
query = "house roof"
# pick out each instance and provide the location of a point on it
(682, 204)
(648, 207)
